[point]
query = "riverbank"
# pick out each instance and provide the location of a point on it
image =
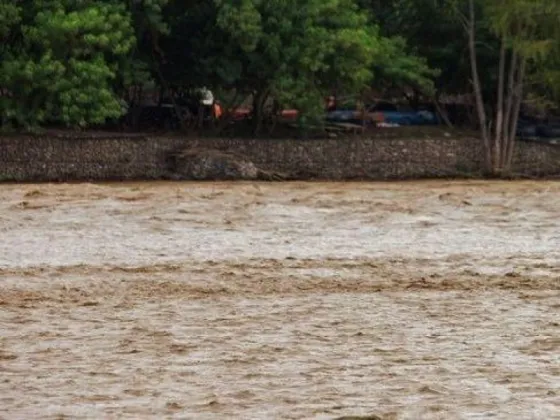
(385, 155)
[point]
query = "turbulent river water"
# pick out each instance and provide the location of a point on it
(413, 300)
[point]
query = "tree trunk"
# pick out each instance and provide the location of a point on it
(363, 113)
(518, 98)
(228, 109)
(499, 143)
(274, 116)
(510, 98)
(259, 100)
(200, 116)
(165, 86)
(477, 87)
(441, 112)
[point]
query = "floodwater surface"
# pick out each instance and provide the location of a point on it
(414, 300)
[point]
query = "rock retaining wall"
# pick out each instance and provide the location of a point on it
(102, 157)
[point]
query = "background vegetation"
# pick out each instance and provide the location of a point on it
(84, 62)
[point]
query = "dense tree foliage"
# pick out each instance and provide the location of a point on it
(285, 50)
(83, 62)
(59, 59)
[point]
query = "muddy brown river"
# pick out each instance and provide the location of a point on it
(414, 300)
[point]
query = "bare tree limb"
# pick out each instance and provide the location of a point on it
(517, 107)
(510, 88)
(498, 140)
(477, 85)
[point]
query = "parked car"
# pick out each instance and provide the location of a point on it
(549, 131)
(245, 113)
(383, 112)
(528, 128)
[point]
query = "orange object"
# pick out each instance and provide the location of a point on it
(378, 117)
(217, 110)
(290, 114)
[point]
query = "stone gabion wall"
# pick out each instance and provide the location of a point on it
(105, 157)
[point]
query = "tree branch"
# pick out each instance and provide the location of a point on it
(498, 140)
(477, 86)
(517, 108)
(511, 87)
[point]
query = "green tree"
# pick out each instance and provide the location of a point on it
(61, 61)
(137, 70)
(544, 82)
(295, 51)
(527, 32)
(426, 52)
(396, 65)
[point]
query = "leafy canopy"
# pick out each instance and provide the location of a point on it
(61, 60)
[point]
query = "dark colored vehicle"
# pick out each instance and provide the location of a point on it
(383, 112)
(528, 128)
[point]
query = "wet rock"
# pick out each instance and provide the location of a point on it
(208, 164)
(205, 164)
